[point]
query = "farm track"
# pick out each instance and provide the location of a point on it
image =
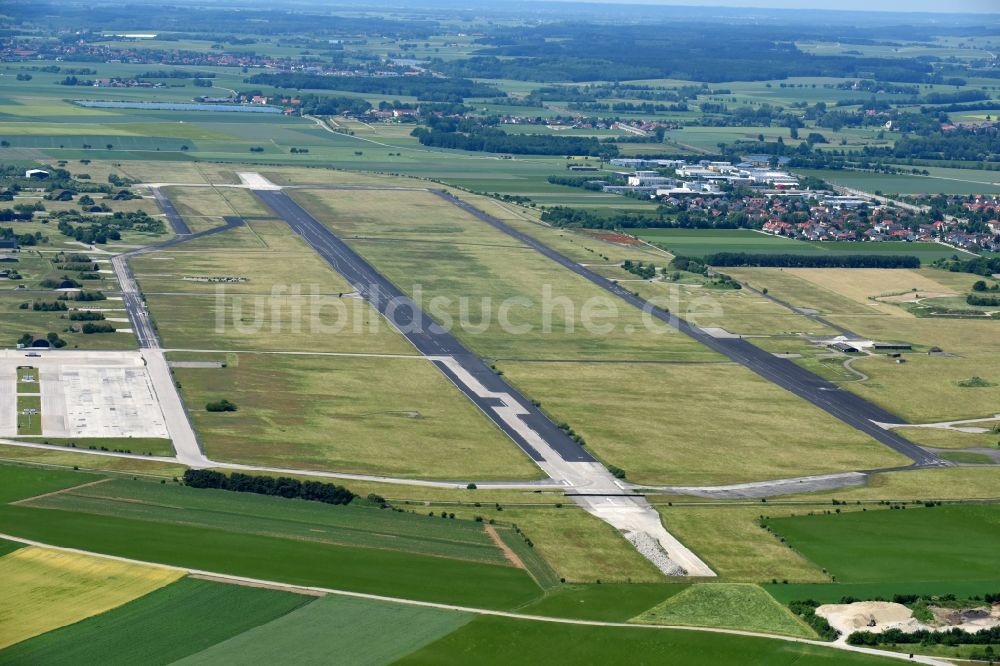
(320, 591)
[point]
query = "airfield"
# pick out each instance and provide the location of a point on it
(85, 394)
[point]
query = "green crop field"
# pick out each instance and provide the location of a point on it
(358, 524)
(700, 242)
(19, 483)
(272, 558)
(494, 640)
(947, 543)
(161, 627)
(351, 631)
(730, 605)
(604, 602)
(45, 589)
(972, 182)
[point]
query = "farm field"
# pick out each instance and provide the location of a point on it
(938, 544)
(492, 640)
(689, 440)
(357, 631)
(266, 557)
(973, 183)
(45, 589)
(392, 416)
(700, 242)
(359, 524)
(161, 627)
(613, 603)
(730, 605)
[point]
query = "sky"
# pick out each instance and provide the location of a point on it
(936, 6)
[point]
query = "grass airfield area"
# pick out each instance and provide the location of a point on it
(687, 439)
(391, 416)
(425, 245)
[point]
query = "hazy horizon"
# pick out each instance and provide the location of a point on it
(899, 6)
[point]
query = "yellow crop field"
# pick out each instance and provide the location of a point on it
(45, 589)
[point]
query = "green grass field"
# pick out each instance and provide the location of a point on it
(730, 540)
(346, 630)
(700, 242)
(392, 416)
(358, 524)
(161, 627)
(21, 482)
(27, 380)
(273, 558)
(928, 389)
(153, 446)
(945, 543)
(729, 605)
(686, 438)
(494, 640)
(604, 602)
(29, 415)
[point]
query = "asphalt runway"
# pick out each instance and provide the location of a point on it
(176, 221)
(425, 334)
(841, 403)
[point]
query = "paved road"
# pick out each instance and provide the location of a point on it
(844, 405)
(309, 589)
(424, 333)
(175, 219)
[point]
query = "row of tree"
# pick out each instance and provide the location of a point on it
(953, 636)
(497, 141)
(812, 261)
(283, 486)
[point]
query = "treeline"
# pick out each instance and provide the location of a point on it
(497, 141)
(976, 265)
(100, 230)
(283, 486)
(174, 74)
(983, 301)
(807, 611)
(24, 240)
(734, 259)
(953, 636)
(593, 182)
(962, 145)
(425, 88)
(564, 216)
(332, 105)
